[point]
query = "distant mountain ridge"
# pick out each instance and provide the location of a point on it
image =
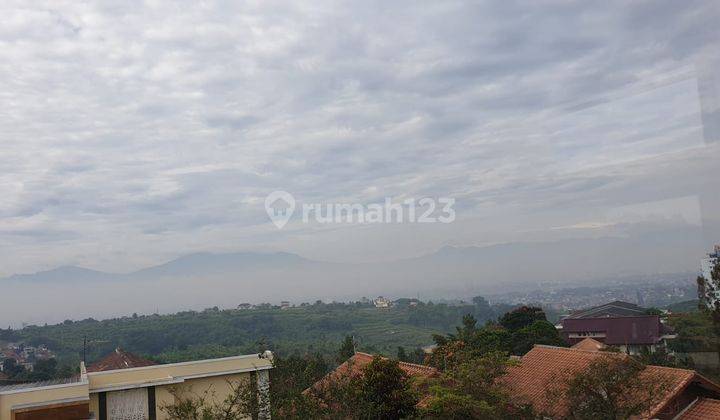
(63, 273)
(197, 264)
(202, 280)
(563, 260)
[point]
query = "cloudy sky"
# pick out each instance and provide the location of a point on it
(134, 132)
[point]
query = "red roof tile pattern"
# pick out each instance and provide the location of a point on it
(119, 359)
(702, 409)
(359, 360)
(589, 344)
(412, 369)
(546, 365)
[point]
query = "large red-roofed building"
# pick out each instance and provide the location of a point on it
(631, 334)
(543, 367)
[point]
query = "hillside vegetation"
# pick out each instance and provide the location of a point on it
(214, 333)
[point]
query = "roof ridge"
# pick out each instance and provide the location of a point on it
(613, 354)
(547, 346)
(668, 368)
(360, 353)
(617, 317)
(417, 365)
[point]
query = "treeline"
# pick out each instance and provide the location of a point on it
(43, 370)
(310, 328)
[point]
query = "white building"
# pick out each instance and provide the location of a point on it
(711, 295)
(381, 302)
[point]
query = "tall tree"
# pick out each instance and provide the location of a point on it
(470, 389)
(347, 349)
(385, 390)
(402, 354)
(539, 332)
(708, 291)
(380, 390)
(522, 317)
(11, 368)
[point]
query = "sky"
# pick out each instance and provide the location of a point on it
(135, 132)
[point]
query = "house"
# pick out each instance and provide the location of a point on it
(631, 334)
(284, 305)
(358, 361)
(406, 302)
(119, 359)
(543, 367)
(381, 302)
(614, 309)
(589, 344)
(123, 385)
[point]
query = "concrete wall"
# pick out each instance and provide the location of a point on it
(217, 389)
(191, 377)
(41, 396)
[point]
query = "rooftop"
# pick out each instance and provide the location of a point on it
(119, 359)
(645, 329)
(358, 361)
(30, 385)
(545, 365)
(612, 309)
(589, 344)
(702, 409)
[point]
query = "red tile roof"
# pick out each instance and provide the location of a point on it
(12, 354)
(358, 361)
(702, 409)
(119, 359)
(589, 344)
(545, 365)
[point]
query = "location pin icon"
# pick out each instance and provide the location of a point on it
(280, 206)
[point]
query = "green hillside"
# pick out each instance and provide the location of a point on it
(213, 333)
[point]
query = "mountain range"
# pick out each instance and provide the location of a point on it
(202, 280)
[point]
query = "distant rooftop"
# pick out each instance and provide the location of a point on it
(119, 359)
(589, 344)
(610, 310)
(618, 331)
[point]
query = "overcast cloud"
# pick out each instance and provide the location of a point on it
(134, 132)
